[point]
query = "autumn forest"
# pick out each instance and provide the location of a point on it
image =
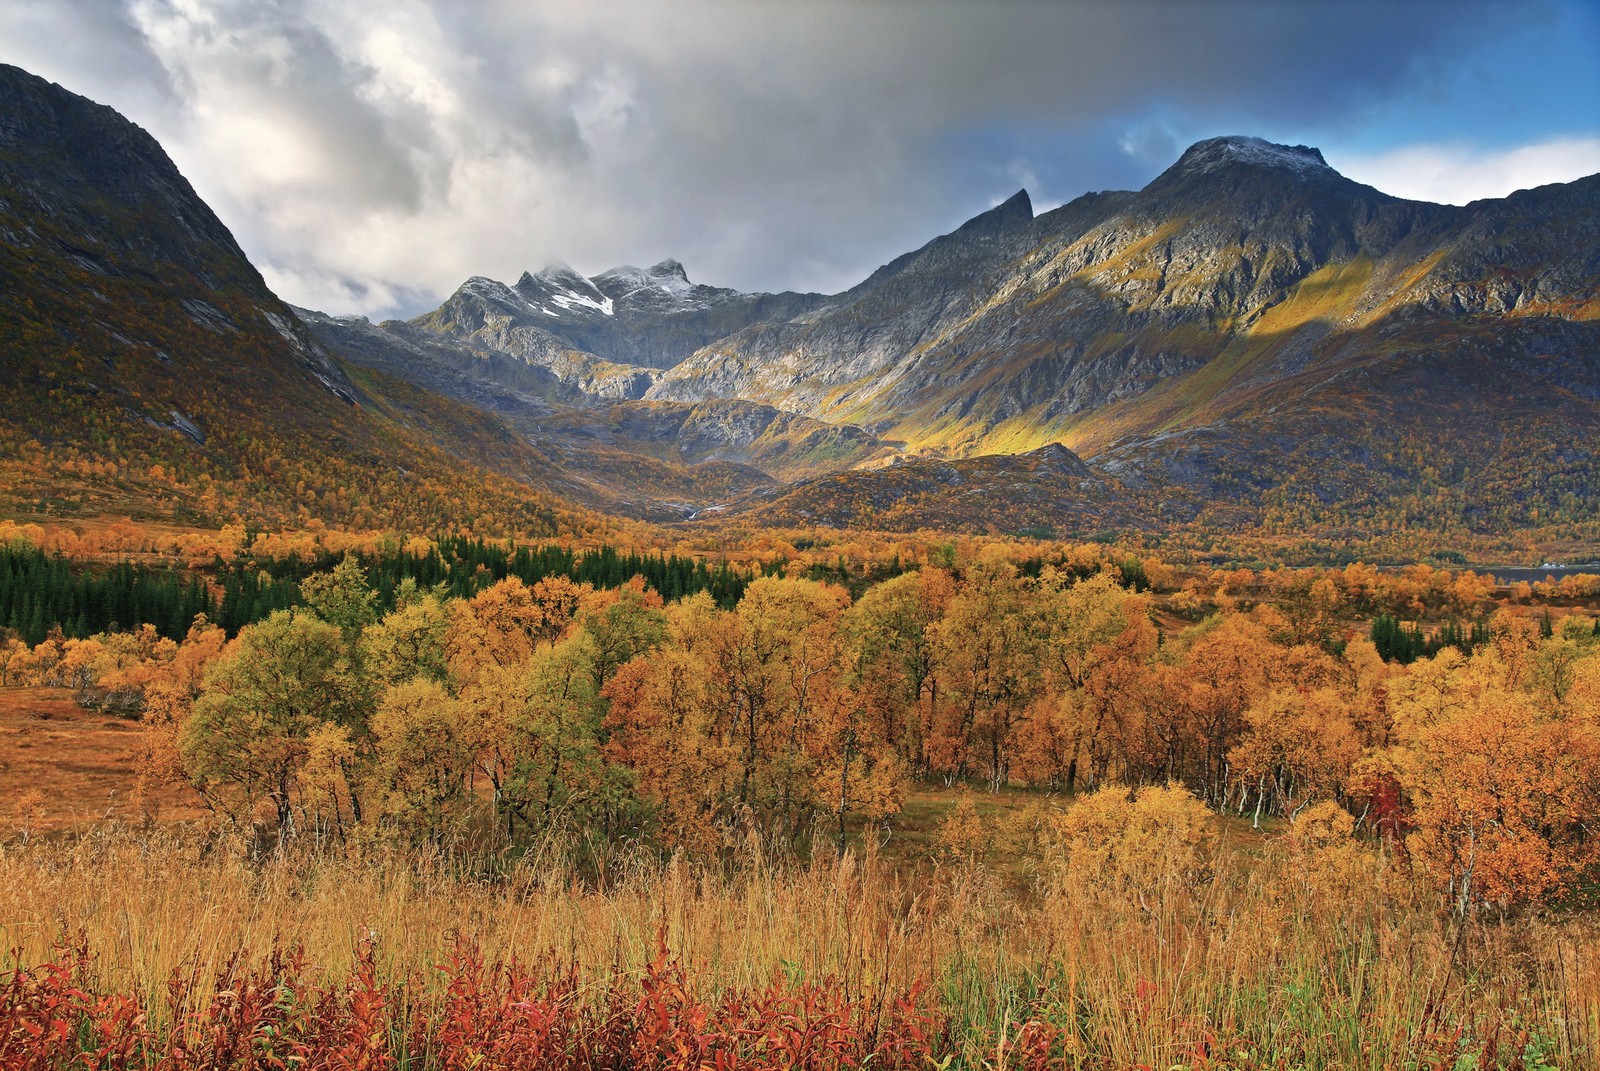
(1405, 756)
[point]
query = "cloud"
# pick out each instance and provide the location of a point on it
(1457, 174)
(372, 154)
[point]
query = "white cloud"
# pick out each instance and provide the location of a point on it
(1457, 174)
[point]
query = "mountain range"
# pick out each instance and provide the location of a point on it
(1252, 343)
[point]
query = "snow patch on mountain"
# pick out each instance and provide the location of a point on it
(559, 285)
(569, 300)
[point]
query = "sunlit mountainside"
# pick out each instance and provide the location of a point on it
(1251, 342)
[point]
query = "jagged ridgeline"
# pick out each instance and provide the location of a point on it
(150, 371)
(1251, 344)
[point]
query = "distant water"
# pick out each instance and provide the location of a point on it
(1512, 574)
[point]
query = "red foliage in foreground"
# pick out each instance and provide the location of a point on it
(278, 1015)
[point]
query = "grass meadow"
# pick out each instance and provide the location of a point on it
(156, 948)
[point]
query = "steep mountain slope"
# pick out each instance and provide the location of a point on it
(658, 461)
(1253, 338)
(151, 371)
(1238, 261)
(835, 360)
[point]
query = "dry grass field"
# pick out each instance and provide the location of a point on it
(1259, 966)
(63, 767)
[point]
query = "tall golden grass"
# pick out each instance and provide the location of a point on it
(1266, 961)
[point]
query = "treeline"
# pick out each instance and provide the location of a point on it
(42, 594)
(459, 568)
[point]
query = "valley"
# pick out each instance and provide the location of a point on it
(1123, 635)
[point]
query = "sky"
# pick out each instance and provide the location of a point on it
(371, 155)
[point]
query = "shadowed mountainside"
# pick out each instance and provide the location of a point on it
(151, 371)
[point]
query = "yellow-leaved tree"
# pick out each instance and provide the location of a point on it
(424, 755)
(247, 738)
(1501, 778)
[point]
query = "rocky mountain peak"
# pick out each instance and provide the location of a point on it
(54, 142)
(1014, 212)
(1215, 154)
(668, 276)
(559, 275)
(557, 290)
(670, 269)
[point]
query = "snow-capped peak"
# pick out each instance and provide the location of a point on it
(667, 276)
(482, 284)
(670, 273)
(559, 273)
(560, 286)
(1207, 156)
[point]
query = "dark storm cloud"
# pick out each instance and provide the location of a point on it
(369, 151)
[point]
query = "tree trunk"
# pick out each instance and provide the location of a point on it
(844, 795)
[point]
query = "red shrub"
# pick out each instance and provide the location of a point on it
(276, 1017)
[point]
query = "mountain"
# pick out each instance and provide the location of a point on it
(655, 461)
(515, 351)
(831, 363)
(1243, 260)
(651, 317)
(1251, 344)
(1252, 340)
(151, 372)
(608, 336)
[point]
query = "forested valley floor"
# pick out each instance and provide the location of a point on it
(380, 802)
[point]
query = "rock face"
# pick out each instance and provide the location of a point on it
(93, 214)
(485, 320)
(87, 169)
(1242, 263)
(651, 317)
(85, 194)
(487, 379)
(843, 359)
(1250, 336)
